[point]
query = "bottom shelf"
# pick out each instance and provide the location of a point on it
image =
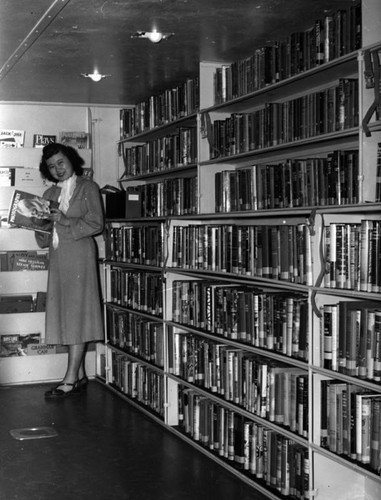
(246, 476)
(330, 478)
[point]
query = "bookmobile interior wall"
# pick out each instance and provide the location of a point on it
(242, 300)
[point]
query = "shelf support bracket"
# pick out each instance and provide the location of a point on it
(372, 81)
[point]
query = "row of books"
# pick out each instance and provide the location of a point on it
(171, 151)
(169, 197)
(138, 382)
(275, 460)
(351, 338)
(137, 290)
(270, 390)
(20, 303)
(136, 335)
(351, 422)
(294, 183)
(157, 110)
(275, 321)
(135, 244)
(328, 39)
(277, 123)
(24, 260)
(274, 252)
(16, 139)
(352, 256)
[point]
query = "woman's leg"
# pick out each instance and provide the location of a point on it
(74, 373)
(75, 361)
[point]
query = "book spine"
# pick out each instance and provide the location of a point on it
(366, 430)
(377, 346)
(375, 444)
(366, 228)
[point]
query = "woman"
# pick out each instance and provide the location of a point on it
(73, 307)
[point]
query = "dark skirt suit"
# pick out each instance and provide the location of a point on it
(73, 307)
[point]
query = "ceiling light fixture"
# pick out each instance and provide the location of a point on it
(95, 77)
(153, 36)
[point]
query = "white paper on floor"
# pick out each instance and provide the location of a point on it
(33, 433)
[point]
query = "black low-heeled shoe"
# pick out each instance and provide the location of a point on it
(82, 383)
(57, 393)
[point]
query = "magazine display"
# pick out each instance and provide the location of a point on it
(30, 211)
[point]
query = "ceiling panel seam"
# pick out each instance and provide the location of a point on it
(52, 12)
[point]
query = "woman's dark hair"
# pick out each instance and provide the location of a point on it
(70, 153)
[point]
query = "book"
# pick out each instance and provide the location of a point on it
(23, 260)
(363, 425)
(12, 138)
(352, 342)
(37, 349)
(16, 303)
(324, 399)
(29, 178)
(30, 211)
(375, 456)
(40, 302)
(365, 253)
(15, 344)
(7, 176)
(78, 140)
(41, 140)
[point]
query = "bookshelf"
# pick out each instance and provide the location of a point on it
(255, 278)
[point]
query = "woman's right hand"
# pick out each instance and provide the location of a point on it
(57, 216)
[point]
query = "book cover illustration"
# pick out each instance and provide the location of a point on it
(41, 140)
(30, 211)
(78, 140)
(18, 345)
(12, 138)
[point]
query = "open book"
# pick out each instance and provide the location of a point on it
(30, 211)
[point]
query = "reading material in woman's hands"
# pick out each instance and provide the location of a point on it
(30, 211)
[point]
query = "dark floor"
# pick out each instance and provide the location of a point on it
(105, 450)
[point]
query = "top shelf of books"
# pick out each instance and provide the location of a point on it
(324, 53)
(160, 111)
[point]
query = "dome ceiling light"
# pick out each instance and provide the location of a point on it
(153, 36)
(95, 77)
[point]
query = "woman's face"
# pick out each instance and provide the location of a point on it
(60, 167)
